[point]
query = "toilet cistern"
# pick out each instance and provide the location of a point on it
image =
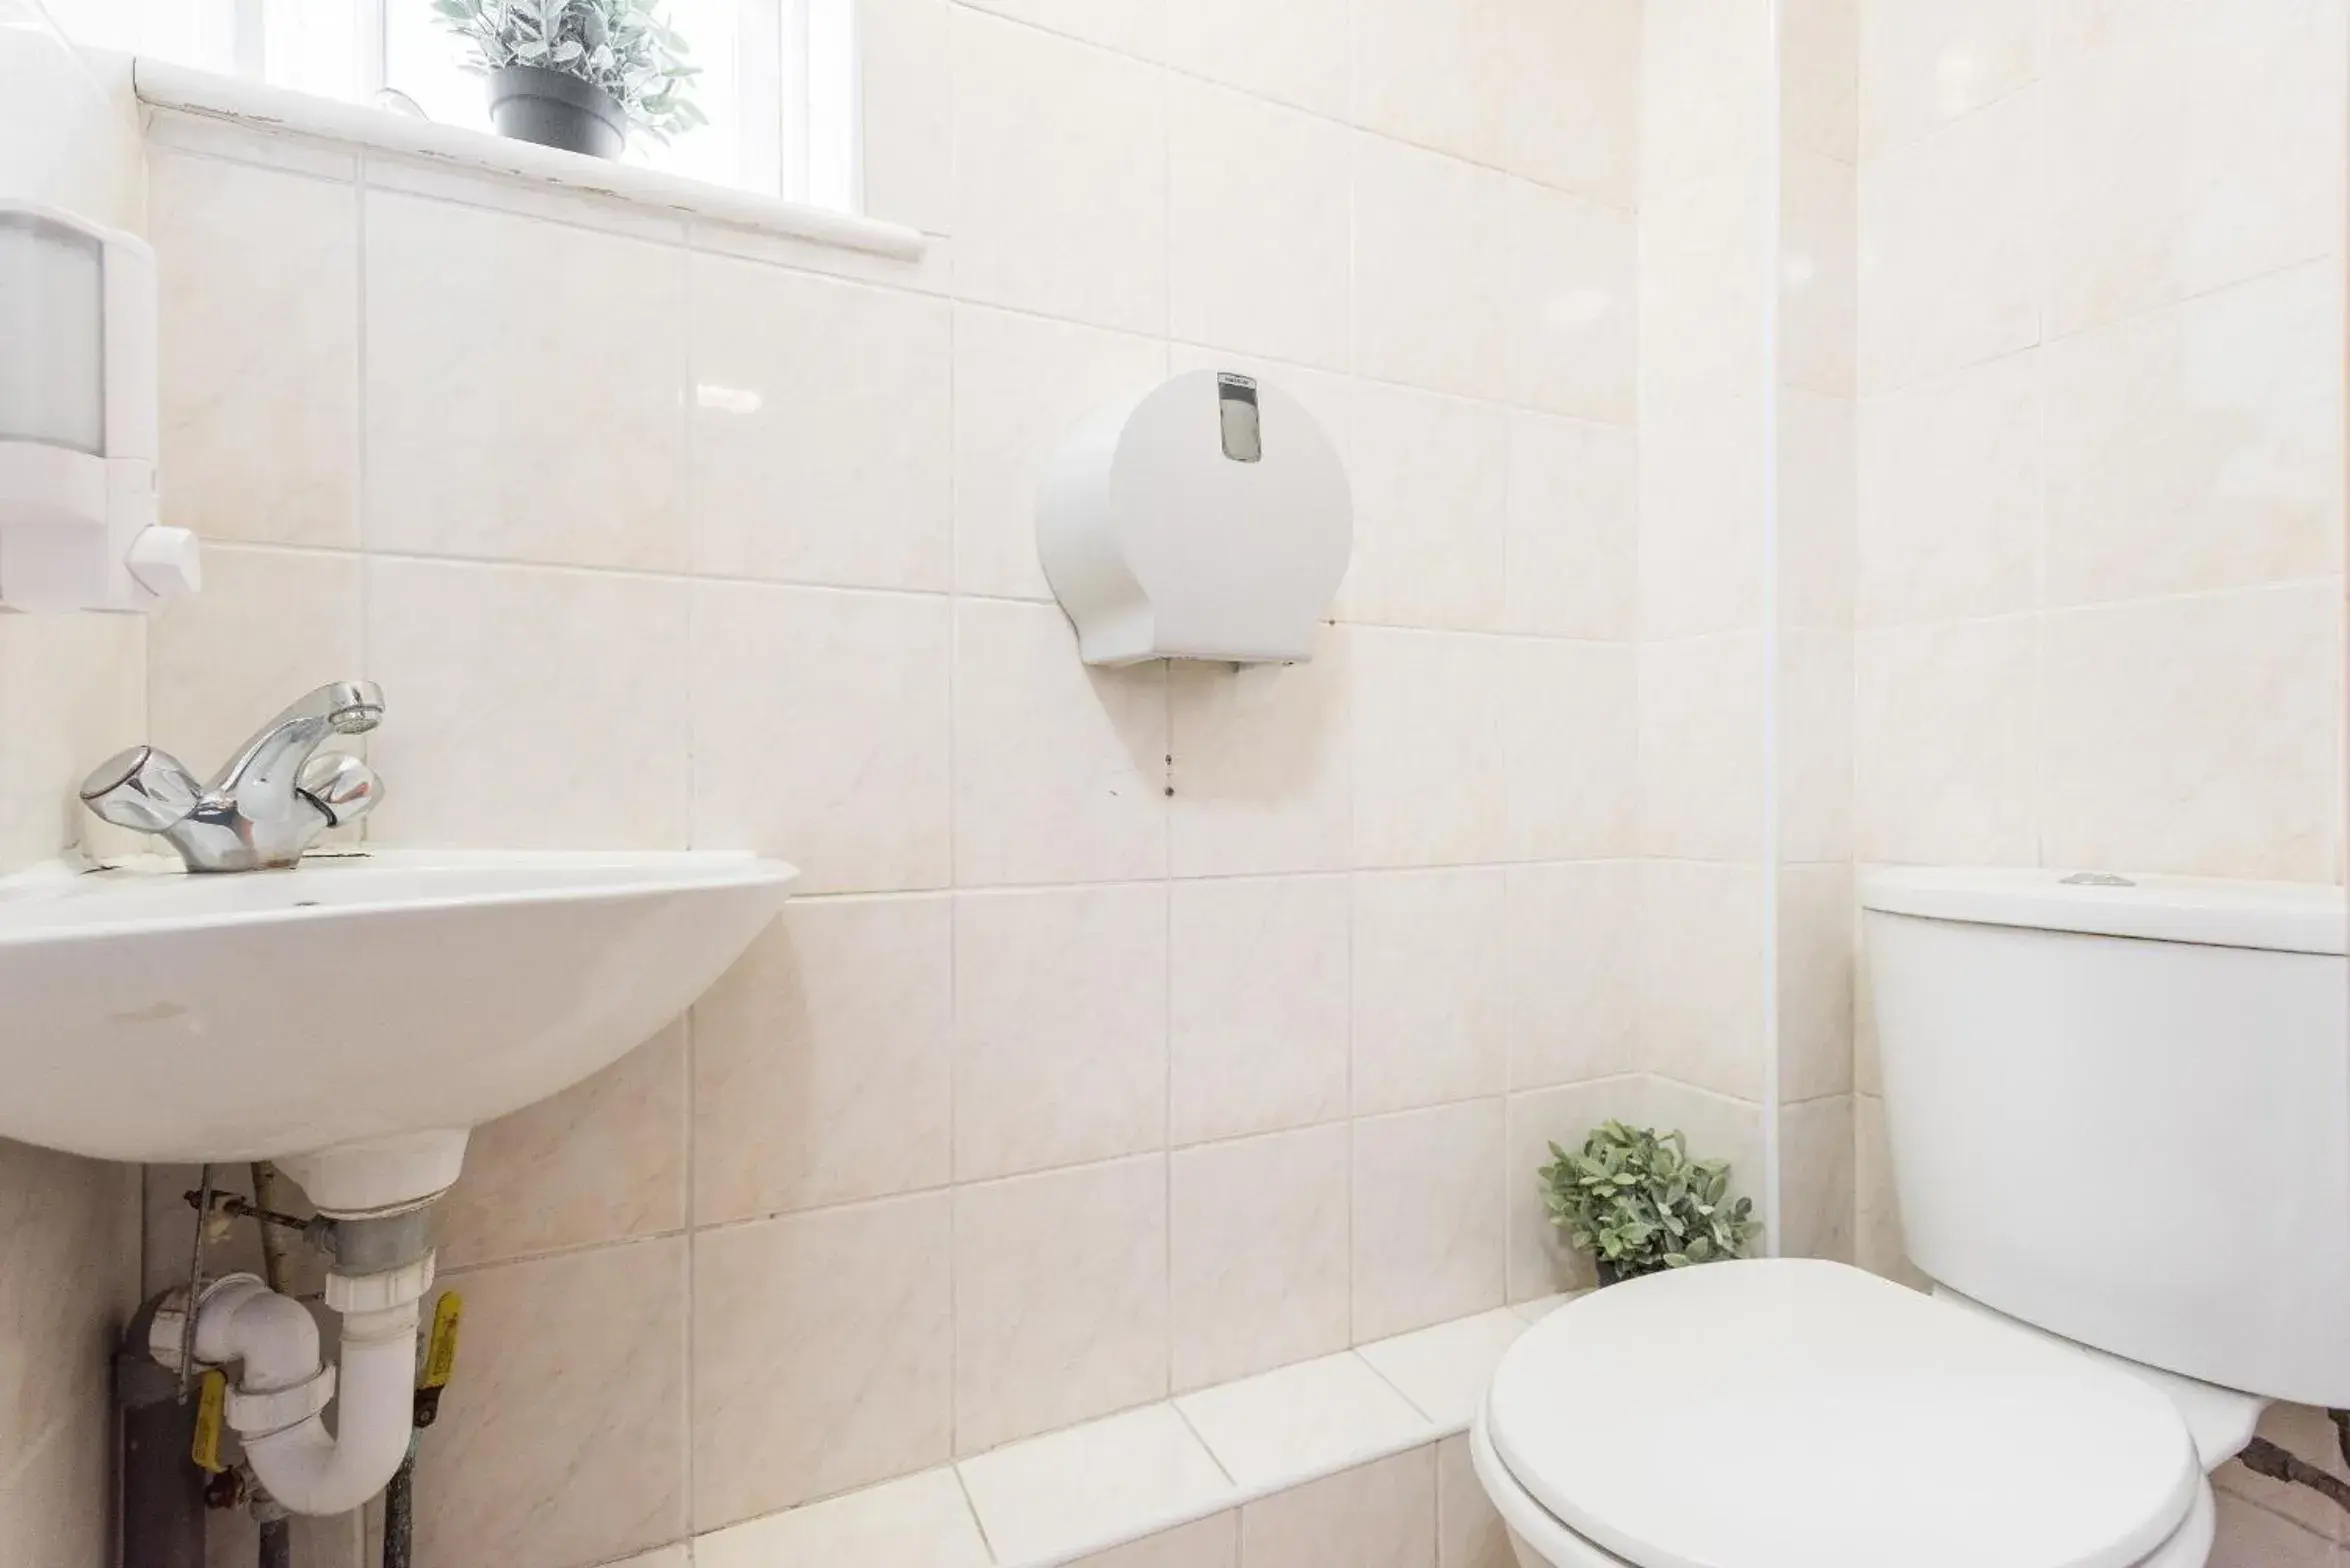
(267, 803)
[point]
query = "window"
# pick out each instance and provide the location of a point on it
(777, 78)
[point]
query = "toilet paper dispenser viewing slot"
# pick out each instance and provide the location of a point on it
(1205, 518)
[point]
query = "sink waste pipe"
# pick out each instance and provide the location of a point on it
(162, 1492)
(440, 1364)
(2262, 1457)
(382, 1272)
(400, 1513)
(275, 1528)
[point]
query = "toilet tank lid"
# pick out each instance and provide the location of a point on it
(2283, 917)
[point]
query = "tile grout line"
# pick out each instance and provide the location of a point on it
(1167, 798)
(2041, 342)
(954, 1042)
(1343, 122)
(1503, 636)
(360, 360)
(688, 577)
(1483, 869)
(1165, 84)
(948, 1188)
(696, 631)
(693, 1269)
(963, 1485)
(1398, 1389)
(947, 295)
(1773, 634)
(1352, 433)
(1207, 1448)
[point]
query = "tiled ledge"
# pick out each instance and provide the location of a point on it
(1053, 1499)
(162, 85)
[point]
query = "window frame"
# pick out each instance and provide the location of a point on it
(796, 93)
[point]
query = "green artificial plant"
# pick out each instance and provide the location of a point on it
(621, 46)
(1636, 1201)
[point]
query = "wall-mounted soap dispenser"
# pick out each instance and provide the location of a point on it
(78, 421)
(1207, 518)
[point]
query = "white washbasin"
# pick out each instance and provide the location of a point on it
(353, 1018)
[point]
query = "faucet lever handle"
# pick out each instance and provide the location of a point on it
(340, 785)
(143, 789)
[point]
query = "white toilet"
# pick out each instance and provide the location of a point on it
(2120, 1125)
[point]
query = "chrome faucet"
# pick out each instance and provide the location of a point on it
(263, 808)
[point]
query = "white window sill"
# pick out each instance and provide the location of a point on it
(167, 86)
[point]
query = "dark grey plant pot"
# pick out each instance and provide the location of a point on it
(1616, 1273)
(533, 104)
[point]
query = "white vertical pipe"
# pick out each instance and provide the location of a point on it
(763, 61)
(835, 94)
(370, 50)
(249, 40)
(792, 136)
(1773, 163)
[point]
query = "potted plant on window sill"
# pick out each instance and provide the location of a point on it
(1637, 1203)
(578, 74)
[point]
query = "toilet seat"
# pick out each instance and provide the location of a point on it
(1800, 1414)
(1554, 1545)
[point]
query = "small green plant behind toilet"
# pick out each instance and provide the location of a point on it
(1636, 1201)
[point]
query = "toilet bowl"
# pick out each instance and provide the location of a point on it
(1803, 1414)
(2046, 1040)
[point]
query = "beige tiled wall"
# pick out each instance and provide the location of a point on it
(2099, 581)
(68, 1278)
(2099, 550)
(71, 687)
(1136, 1030)
(2112, 448)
